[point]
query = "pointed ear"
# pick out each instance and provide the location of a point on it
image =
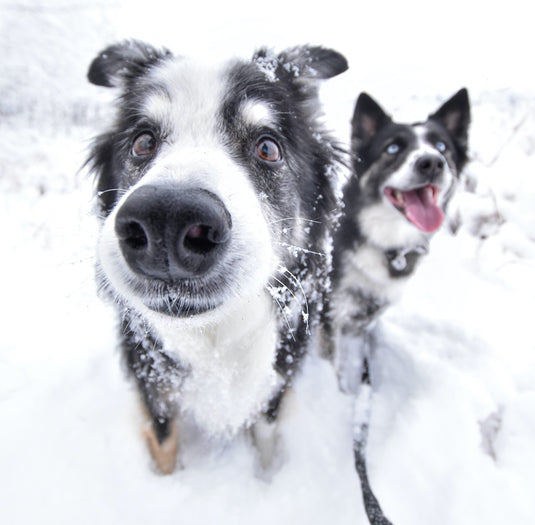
(454, 115)
(302, 63)
(119, 62)
(368, 118)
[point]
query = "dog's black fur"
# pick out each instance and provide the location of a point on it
(265, 132)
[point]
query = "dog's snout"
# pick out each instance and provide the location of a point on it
(172, 233)
(430, 167)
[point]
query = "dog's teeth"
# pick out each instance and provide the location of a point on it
(399, 196)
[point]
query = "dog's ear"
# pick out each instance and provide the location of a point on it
(119, 62)
(313, 62)
(454, 115)
(301, 63)
(368, 119)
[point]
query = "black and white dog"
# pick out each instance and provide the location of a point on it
(215, 190)
(403, 178)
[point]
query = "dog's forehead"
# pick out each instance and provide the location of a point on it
(426, 135)
(182, 87)
(184, 90)
(429, 132)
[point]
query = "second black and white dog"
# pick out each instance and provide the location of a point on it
(215, 190)
(403, 176)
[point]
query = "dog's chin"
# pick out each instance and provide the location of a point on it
(185, 299)
(181, 309)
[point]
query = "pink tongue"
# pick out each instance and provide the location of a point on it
(421, 210)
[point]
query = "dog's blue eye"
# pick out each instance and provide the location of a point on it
(393, 148)
(441, 146)
(267, 149)
(144, 144)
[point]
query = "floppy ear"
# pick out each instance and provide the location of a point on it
(313, 62)
(454, 115)
(368, 119)
(302, 63)
(119, 62)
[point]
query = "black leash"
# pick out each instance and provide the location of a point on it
(360, 439)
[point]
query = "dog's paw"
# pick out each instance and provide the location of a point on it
(269, 451)
(164, 454)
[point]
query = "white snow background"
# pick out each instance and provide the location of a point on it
(452, 437)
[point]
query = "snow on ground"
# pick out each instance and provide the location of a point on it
(453, 417)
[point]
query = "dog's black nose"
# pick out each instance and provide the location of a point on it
(172, 233)
(430, 167)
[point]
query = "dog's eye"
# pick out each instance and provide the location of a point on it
(267, 149)
(393, 149)
(144, 144)
(441, 146)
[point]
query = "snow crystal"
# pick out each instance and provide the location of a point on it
(269, 65)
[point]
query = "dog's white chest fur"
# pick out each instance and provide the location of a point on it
(230, 361)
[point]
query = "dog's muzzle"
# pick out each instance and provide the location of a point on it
(172, 233)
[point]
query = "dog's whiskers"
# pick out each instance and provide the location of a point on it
(305, 313)
(121, 191)
(273, 291)
(300, 249)
(295, 219)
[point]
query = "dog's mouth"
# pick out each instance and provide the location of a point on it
(185, 298)
(418, 205)
(174, 307)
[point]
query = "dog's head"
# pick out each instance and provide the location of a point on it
(410, 171)
(208, 173)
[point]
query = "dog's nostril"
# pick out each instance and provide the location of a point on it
(425, 165)
(196, 232)
(198, 239)
(133, 235)
(201, 238)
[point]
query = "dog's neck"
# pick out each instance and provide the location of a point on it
(222, 358)
(402, 261)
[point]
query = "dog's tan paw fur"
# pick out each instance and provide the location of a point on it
(164, 454)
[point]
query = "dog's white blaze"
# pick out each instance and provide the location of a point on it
(448, 182)
(188, 104)
(230, 349)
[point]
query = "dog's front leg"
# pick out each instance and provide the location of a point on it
(266, 438)
(352, 351)
(158, 379)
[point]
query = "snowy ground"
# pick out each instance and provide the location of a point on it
(453, 427)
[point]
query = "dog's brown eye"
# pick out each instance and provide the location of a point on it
(145, 144)
(267, 149)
